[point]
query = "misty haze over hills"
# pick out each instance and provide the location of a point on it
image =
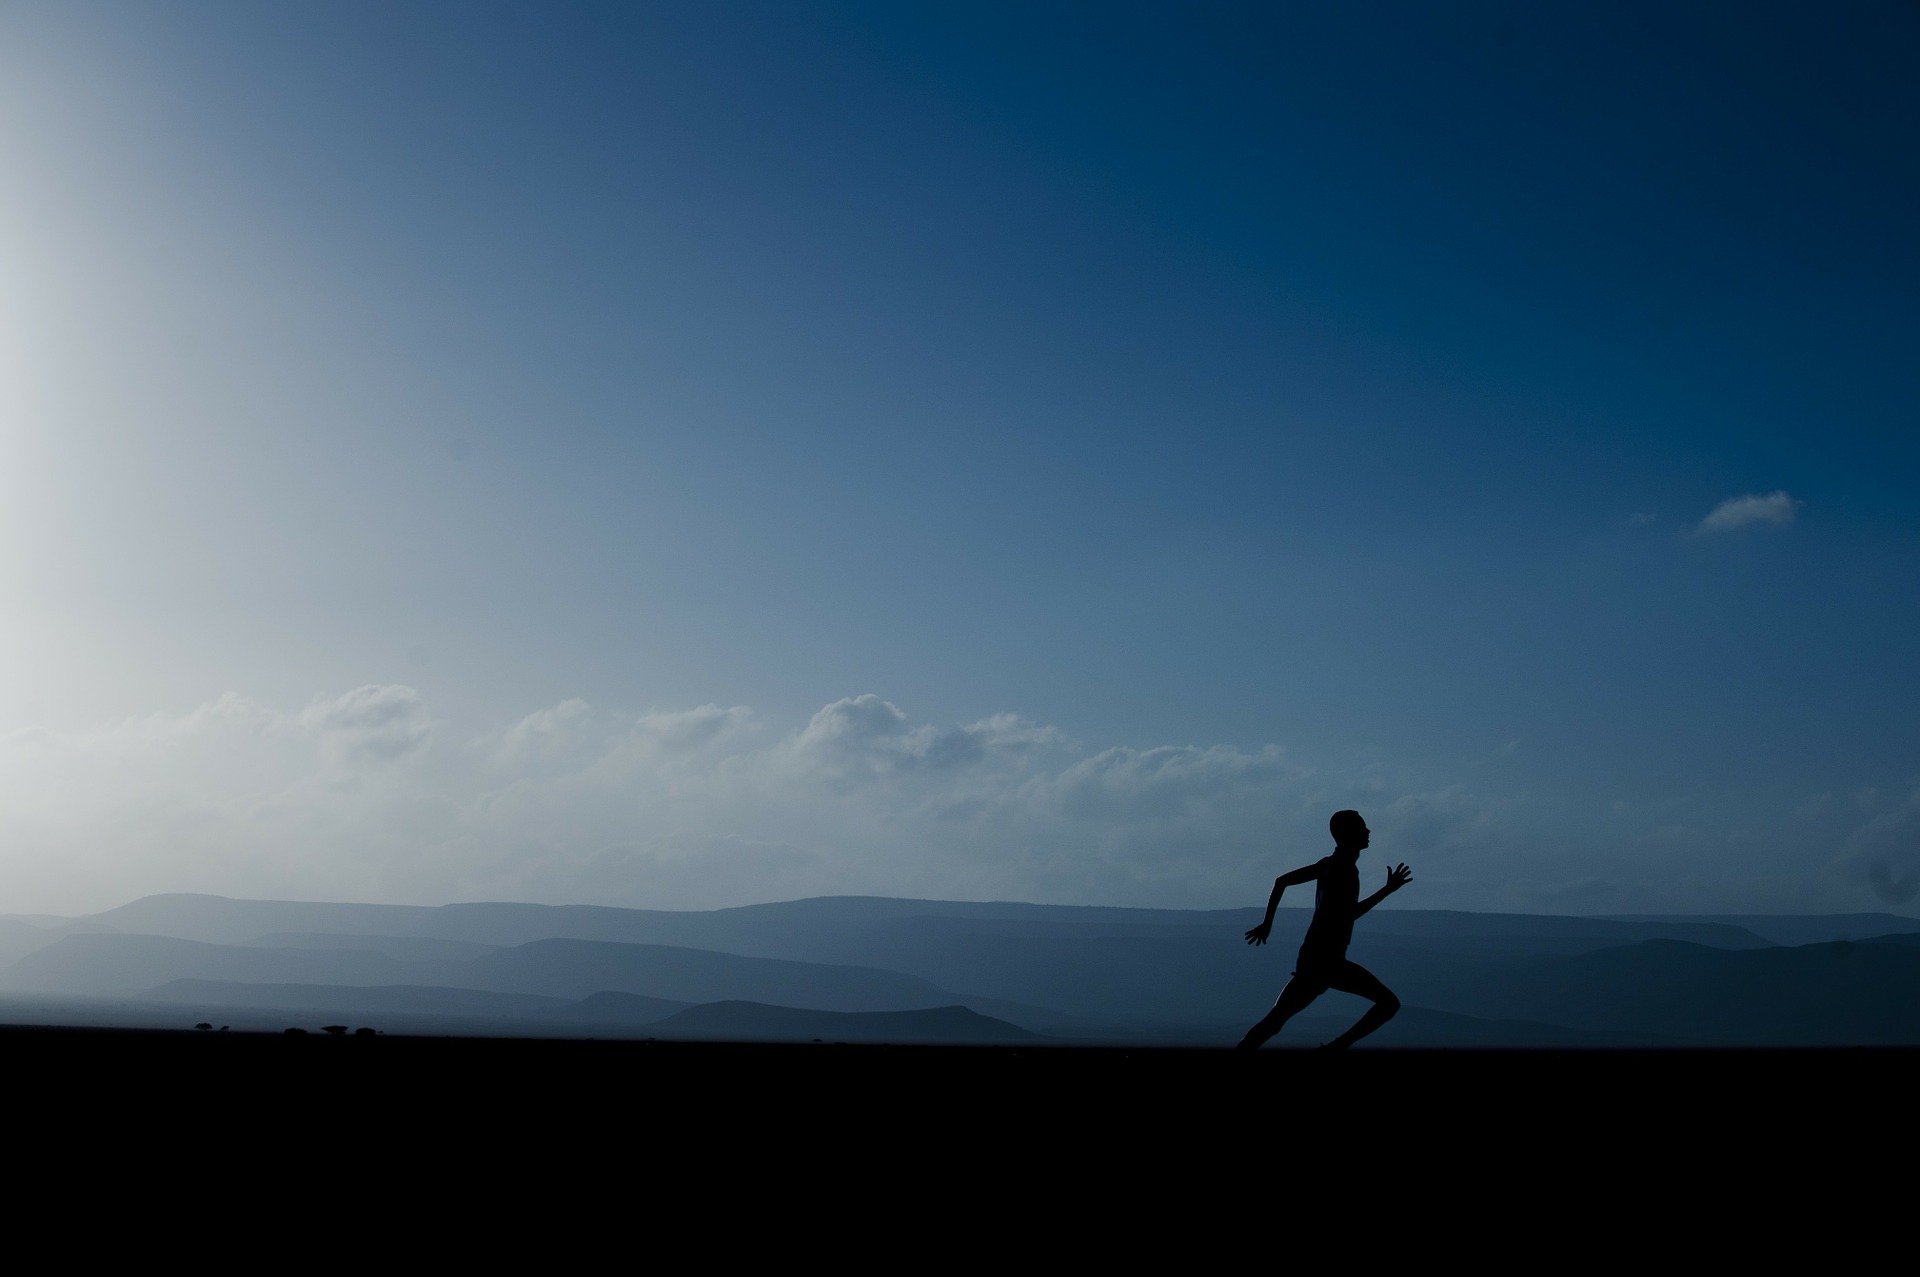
(878, 969)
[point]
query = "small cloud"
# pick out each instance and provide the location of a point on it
(1894, 890)
(853, 723)
(546, 734)
(1735, 513)
(683, 731)
(864, 735)
(1885, 849)
(1442, 820)
(1168, 782)
(1640, 519)
(376, 723)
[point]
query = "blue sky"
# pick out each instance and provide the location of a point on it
(1175, 423)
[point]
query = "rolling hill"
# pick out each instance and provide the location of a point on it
(1086, 973)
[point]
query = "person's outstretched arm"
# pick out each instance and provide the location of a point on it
(1397, 877)
(1305, 873)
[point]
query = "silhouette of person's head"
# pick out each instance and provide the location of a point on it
(1349, 831)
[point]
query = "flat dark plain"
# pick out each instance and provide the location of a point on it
(1171, 1144)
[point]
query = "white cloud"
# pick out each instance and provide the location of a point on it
(367, 796)
(359, 796)
(866, 738)
(1776, 508)
(559, 733)
(1170, 783)
(232, 797)
(368, 726)
(692, 730)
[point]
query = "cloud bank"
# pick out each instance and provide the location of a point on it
(1735, 513)
(365, 796)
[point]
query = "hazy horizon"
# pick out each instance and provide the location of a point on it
(1295, 906)
(680, 456)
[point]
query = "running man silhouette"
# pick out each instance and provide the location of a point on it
(1323, 963)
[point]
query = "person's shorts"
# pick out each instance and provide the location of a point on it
(1320, 974)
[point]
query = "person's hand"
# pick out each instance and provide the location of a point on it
(1259, 934)
(1398, 877)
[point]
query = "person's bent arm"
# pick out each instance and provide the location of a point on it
(1397, 877)
(1305, 873)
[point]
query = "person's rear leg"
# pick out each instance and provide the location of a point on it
(1292, 1000)
(1354, 978)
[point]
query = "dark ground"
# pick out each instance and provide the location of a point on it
(1204, 1154)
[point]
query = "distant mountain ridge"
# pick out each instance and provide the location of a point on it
(749, 928)
(1075, 972)
(114, 965)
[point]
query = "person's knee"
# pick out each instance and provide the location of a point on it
(1388, 1004)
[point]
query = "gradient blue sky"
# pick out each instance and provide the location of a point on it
(1176, 422)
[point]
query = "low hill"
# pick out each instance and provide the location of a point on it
(115, 966)
(18, 939)
(405, 948)
(1159, 968)
(616, 1010)
(1793, 929)
(754, 1021)
(1844, 993)
(119, 965)
(1092, 973)
(221, 920)
(577, 968)
(362, 1000)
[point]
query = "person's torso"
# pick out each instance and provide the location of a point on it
(1335, 898)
